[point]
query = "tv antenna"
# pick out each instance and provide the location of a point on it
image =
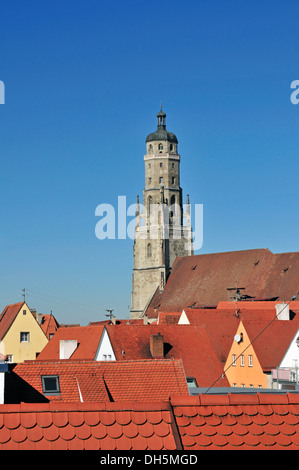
(109, 310)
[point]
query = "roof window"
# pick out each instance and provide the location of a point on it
(51, 384)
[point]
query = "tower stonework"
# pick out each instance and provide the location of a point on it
(163, 229)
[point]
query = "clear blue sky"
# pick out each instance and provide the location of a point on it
(84, 81)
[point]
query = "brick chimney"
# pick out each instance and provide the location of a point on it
(157, 346)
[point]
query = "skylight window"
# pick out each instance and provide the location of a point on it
(51, 384)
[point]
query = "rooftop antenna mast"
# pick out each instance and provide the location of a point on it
(24, 294)
(236, 298)
(109, 310)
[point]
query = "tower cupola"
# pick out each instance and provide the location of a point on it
(161, 132)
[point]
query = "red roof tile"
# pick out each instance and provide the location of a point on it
(204, 279)
(88, 338)
(184, 422)
(8, 316)
(191, 344)
(101, 381)
(49, 325)
(271, 346)
(241, 428)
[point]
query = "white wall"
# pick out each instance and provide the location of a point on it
(105, 351)
(291, 355)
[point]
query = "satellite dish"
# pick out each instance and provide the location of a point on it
(237, 338)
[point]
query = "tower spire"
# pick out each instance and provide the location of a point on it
(161, 118)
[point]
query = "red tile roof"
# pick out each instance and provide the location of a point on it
(49, 325)
(238, 422)
(205, 422)
(125, 426)
(271, 341)
(88, 338)
(274, 336)
(98, 381)
(203, 280)
(8, 316)
(191, 344)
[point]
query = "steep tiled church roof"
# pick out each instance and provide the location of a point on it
(204, 280)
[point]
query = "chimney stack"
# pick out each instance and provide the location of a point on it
(157, 346)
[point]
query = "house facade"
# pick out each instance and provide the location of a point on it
(21, 336)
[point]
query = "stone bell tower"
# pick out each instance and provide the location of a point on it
(160, 234)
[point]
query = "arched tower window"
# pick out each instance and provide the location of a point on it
(160, 147)
(172, 208)
(150, 148)
(172, 203)
(149, 250)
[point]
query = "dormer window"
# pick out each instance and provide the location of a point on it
(50, 384)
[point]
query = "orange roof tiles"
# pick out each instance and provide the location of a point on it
(98, 381)
(238, 422)
(191, 344)
(271, 346)
(205, 422)
(49, 325)
(88, 338)
(8, 316)
(137, 426)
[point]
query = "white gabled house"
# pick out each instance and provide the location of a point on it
(286, 375)
(105, 351)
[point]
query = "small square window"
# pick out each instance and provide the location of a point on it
(24, 337)
(50, 384)
(24, 312)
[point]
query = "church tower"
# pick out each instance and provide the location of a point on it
(163, 230)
